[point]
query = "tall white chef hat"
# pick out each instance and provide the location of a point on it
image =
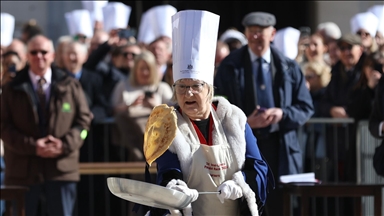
(378, 11)
(79, 22)
(116, 16)
(162, 19)
(286, 41)
(156, 22)
(194, 40)
(367, 21)
(95, 8)
(145, 34)
(330, 29)
(233, 34)
(7, 28)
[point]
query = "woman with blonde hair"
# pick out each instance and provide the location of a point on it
(317, 77)
(133, 100)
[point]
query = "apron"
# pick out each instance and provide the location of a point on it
(211, 166)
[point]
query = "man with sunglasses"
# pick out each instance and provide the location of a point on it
(44, 121)
(345, 75)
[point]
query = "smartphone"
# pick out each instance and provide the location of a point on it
(261, 110)
(305, 31)
(12, 70)
(148, 94)
(127, 33)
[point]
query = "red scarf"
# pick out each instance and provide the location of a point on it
(199, 134)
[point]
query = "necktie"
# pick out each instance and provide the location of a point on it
(264, 87)
(41, 94)
(264, 91)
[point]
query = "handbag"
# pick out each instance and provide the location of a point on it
(378, 160)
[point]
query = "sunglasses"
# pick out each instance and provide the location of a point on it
(361, 33)
(125, 54)
(35, 52)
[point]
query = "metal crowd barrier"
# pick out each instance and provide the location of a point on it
(324, 161)
(365, 148)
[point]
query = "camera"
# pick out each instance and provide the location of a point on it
(12, 70)
(127, 33)
(305, 31)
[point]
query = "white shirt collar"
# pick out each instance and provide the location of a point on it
(35, 78)
(266, 56)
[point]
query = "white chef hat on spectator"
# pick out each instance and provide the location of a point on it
(156, 22)
(162, 15)
(7, 28)
(286, 41)
(330, 29)
(79, 22)
(194, 40)
(95, 8)
(146, 34)
(367, 21)
(116, 16)
(233, 34)
(378, 11)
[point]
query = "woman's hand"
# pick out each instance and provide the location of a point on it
(149, 102)
(138, 101)
(373, 79)
(180, 185)
(114, 39)
(229, 190)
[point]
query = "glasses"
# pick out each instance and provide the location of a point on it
(79, 37)
(125, 54)
(35, 52)
(195, 89)
(343, 48)
(361, 33)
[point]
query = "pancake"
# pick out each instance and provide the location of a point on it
(160, 131)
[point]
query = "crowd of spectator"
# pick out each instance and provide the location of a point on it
(105, 70)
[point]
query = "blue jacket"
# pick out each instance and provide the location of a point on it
(290, 94)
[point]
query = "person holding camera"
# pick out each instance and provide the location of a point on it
(133, 100)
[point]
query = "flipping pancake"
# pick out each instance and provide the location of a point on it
(160, 131)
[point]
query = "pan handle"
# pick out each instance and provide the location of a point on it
(210, 192)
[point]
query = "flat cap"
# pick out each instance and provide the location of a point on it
(259, 19)
(349, 38)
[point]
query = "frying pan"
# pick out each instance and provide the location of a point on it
(149, 194)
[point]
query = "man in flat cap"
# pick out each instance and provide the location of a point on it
(270, 89)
